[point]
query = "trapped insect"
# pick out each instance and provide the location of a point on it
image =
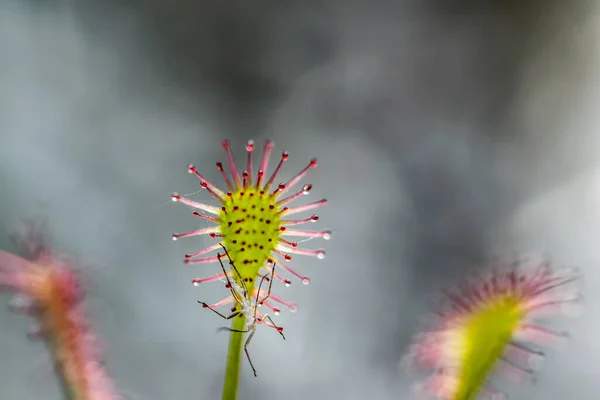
(246, 304)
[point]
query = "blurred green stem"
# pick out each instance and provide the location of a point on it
(234, 356)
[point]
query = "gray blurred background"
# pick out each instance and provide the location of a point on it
(447, 132)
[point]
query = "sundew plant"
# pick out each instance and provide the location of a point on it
(251, 222)
(49, 287)
(488, 327)
(491, 324)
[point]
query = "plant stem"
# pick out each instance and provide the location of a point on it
(234, 356)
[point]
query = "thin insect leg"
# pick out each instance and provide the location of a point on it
(233, 292)
(225, 328)
(257, 302)
(261, 301)
(248, 354)
(278, 328)
(236, 271)
(270, 283)
(235, 314)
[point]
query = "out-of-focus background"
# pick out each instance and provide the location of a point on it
(447, 132)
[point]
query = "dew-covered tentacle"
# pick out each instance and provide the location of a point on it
(540, 335)
(214, 191)
(326, 234)
(204, 216)
(206, 260)
(458, 302)
(306, 207)
(282, 160)
(194, 204)
(290, 222)
(275, 310)
(304, 191)
(198, 281)
(524, 355)
(277, 190)
(204, 251)
(199, 232)
(293, 181)
(285, 241)
(281, 279)
(234, 170)
(225, 301)
(553, 284)
(548, 307)
(320, 253)
(249, 150)
(290, 306)
(225, 177)
(513, 372)
(305, 279)
(204, 185)
(265, 321)
(264, 164)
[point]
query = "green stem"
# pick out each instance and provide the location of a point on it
(234, 357)
(68, 386)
